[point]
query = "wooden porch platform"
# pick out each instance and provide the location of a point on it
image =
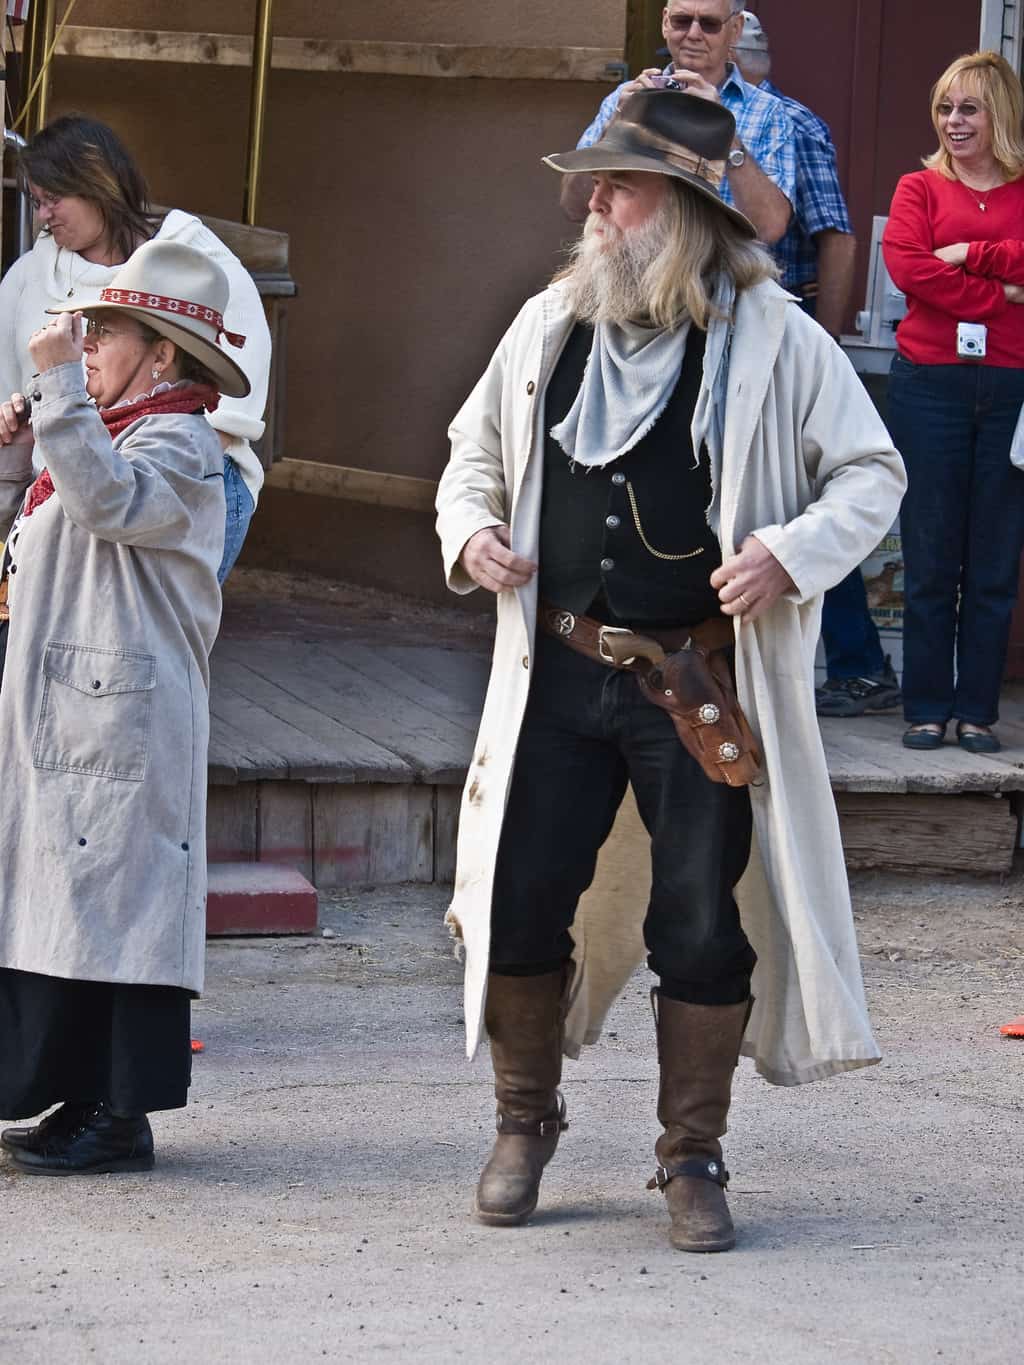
(340, 740)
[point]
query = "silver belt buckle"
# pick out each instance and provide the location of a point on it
(613, 630)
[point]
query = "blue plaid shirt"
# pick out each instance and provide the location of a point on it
(819, 205)
(762, 123)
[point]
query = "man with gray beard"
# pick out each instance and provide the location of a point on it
(663, 467)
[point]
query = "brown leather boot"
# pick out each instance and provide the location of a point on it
(525, 1018)
(698, 1048)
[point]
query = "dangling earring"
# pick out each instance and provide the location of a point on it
(155, 372)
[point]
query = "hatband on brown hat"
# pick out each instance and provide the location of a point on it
(670, 133)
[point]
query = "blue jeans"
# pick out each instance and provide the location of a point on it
(240, 507)
(852, 646)
(963, 529)
(588, 731)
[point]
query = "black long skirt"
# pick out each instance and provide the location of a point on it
(77, 1041)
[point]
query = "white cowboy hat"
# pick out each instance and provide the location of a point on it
(181, 294)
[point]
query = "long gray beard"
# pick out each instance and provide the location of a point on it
(612, 276)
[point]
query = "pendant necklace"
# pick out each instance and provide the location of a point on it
(71, 278)
(981, 203)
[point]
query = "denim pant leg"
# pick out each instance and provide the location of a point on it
(568, 782)
(931, 418)
(852, 646)
(240, 507)
(995, 535)
(700, 846)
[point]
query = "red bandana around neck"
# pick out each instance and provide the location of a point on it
(186, 398)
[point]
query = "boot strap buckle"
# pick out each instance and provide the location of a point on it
(548, 1127)
(697, 1167)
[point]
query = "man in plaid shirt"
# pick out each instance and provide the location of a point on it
(817, 259)
(761, 170)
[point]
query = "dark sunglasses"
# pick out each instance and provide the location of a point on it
(683, 22)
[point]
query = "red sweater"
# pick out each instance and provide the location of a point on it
(928, 211)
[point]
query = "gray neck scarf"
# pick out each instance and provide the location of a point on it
(629, 378)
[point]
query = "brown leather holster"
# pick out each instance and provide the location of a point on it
(686, 673)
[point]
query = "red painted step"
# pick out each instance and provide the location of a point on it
(259, 898)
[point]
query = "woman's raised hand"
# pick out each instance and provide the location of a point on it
(14, 428)
(58, 344)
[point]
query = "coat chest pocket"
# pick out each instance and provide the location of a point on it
(96, 711)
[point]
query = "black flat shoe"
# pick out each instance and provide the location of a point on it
(925, 736)
(979, 741)
(57, 1125)
(99, 1144)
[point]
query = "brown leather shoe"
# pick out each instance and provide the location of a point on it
(525, 1018)
(698, 1048)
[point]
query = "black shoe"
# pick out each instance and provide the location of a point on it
(56, 1125)
(854, 696)
(101, 1142)
(924, 736)
(980, 740)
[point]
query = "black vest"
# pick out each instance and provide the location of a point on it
(629, 543)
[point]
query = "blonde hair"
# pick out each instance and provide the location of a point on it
(990, 79)
(702, 242)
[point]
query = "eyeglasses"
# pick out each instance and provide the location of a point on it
(45, 201)
(968, 108)
(102, 333)
(683, 22)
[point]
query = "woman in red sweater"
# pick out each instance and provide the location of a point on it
(954, 245)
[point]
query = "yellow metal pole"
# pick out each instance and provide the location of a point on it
(28, 68)
(45, 38)
(261, 52)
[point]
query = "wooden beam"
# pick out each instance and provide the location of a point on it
(450, 60)
(353, 485)
(643, 34)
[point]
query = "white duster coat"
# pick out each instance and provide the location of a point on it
(808, 466)
(104, 712)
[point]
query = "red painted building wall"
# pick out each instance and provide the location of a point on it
(866, 67)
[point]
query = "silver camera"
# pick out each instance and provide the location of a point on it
(971, 339)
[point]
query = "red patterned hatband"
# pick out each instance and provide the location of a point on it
(160, 303)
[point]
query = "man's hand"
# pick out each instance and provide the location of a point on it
(695, 84)
(751, 582)
(58, 344)
(955, 254)
(645, 81)
(13, 429)
(487, 559)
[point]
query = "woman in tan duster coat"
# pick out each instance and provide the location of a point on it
(799, 460)
(111, 577)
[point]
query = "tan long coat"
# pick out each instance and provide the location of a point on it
(807, 464)
(104, 715)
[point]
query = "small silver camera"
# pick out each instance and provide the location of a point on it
(971, 339)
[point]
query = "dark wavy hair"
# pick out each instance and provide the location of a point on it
(75, 155)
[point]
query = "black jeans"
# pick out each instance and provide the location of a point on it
(587, 733)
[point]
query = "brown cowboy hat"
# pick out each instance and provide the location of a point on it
(182, 294)
(668, 132)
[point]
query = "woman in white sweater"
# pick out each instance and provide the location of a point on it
(93, 210)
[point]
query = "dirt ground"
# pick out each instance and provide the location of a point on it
(312, 1201)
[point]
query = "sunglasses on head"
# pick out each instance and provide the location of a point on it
(683, 22)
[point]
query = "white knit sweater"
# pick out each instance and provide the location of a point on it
(44, 277)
